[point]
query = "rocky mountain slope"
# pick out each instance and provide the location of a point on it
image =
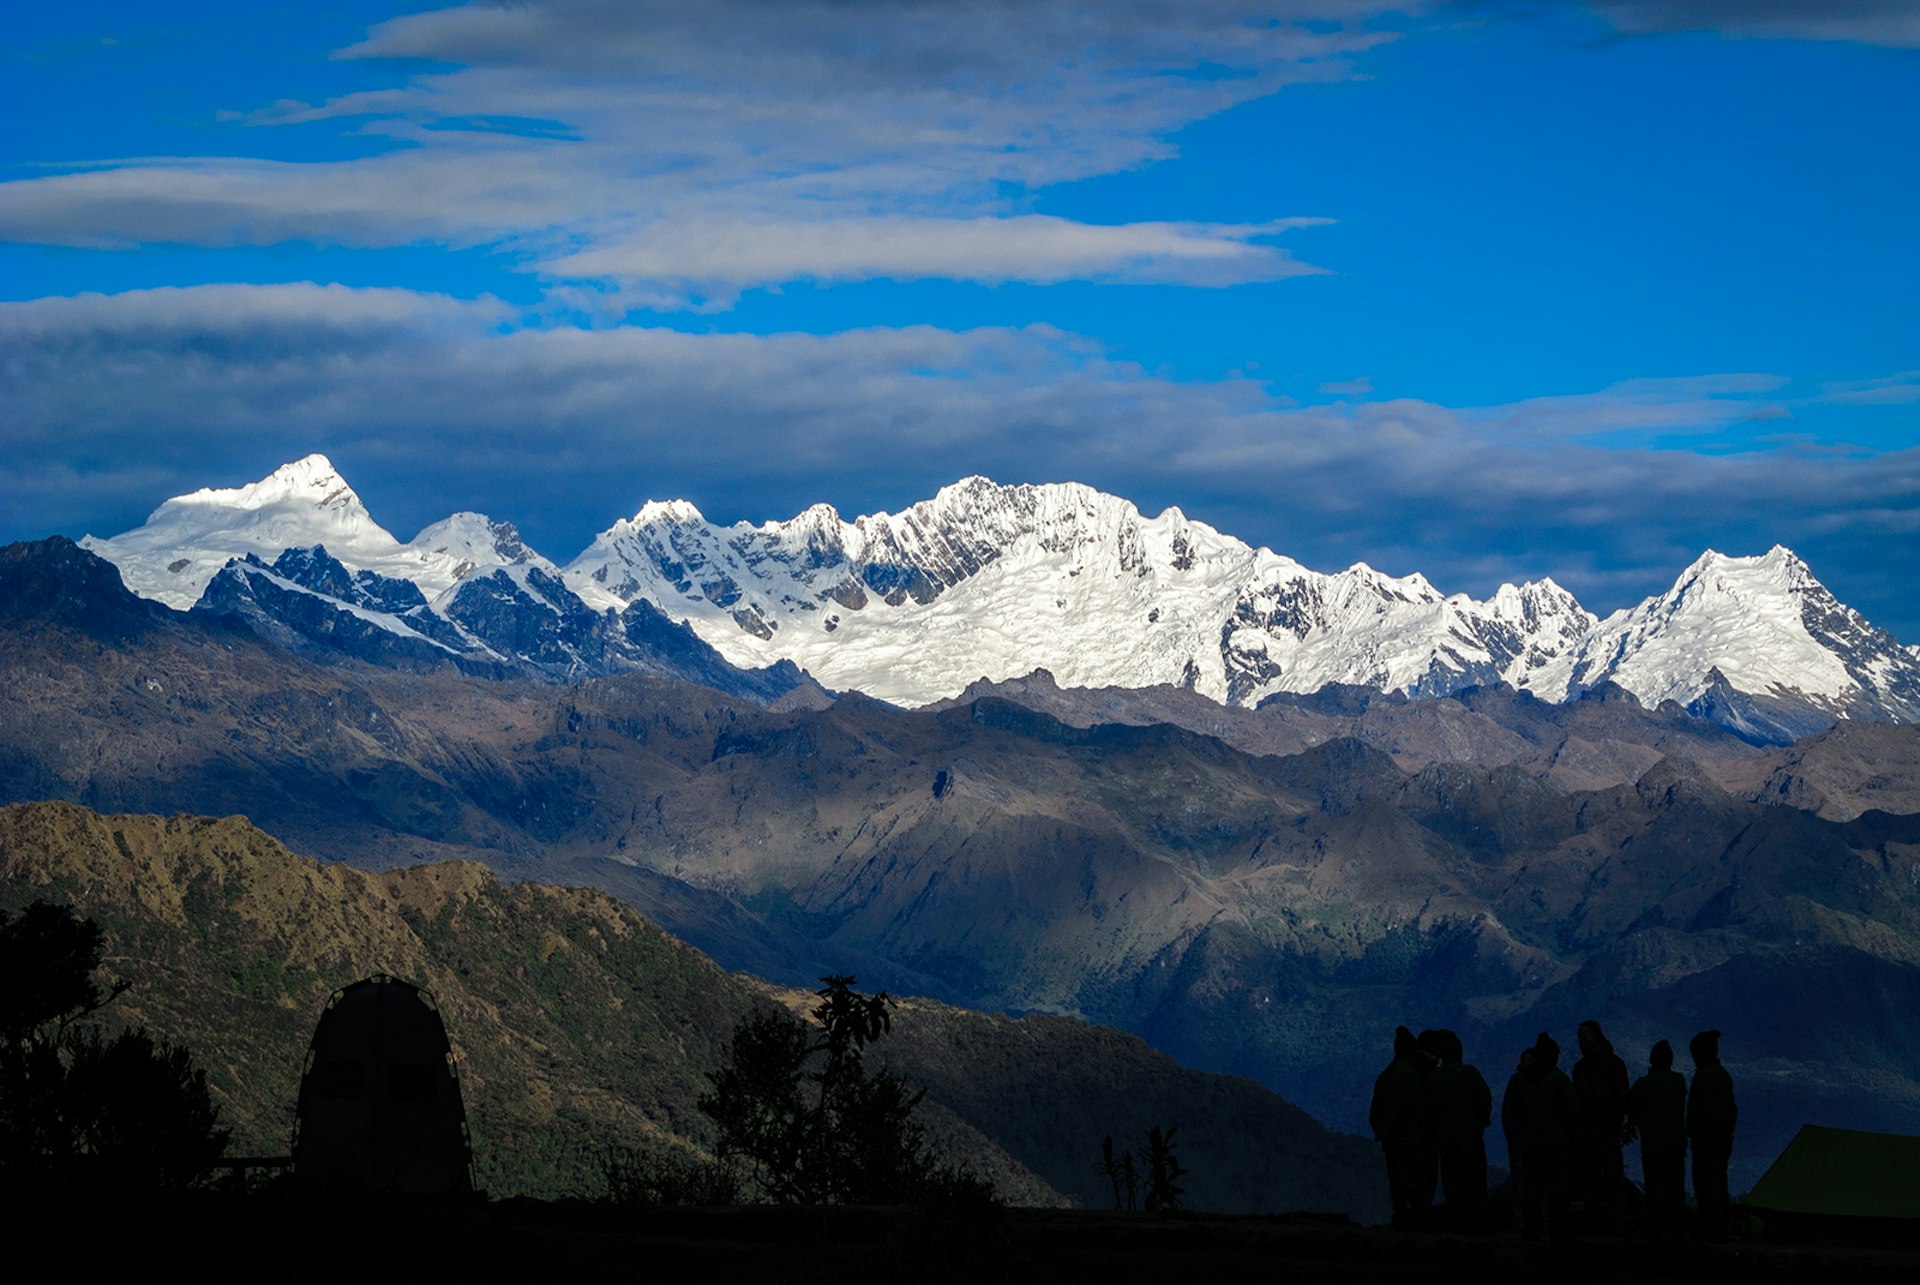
(298, 558)
(994, 582)
(985, 580)
(581, 1027)
(1269, 898)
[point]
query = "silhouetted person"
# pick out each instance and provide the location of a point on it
(1657, 1110)
(1428, 1046)
(1462, 1106)
(1600, 1084)
(1510, 1123)
(1711, 1115)
(1547, 1115)
(1400, 1123)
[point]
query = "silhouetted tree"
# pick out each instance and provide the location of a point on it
(797, 1103)
(141, 1110)
(758, 1104)
(47, 960)
(1119, 1171)
(77, 1107)
(1163, 1173)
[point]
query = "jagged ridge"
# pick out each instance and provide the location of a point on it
(993, 582)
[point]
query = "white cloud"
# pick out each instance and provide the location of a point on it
(116, 402)
(370, 315)
(1029, 247)
(701, 147)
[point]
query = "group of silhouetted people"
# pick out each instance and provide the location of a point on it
(1430, 1114)
(1565, 1135)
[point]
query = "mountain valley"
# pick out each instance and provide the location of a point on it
(583, 1031)
(1263, 891)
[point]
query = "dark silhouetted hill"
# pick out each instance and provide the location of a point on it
(580, 1025)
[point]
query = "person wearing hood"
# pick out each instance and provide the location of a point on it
(1547, 1118)
(1510, 1123)
(1657, 1113)
(1462, 1107)
(1600, 1084)
(1711, 1115)
(1402, 1126)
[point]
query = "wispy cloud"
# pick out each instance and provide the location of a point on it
(1028, 247)
(116, 402)
(1889, 390)
(1642, 411)
(1873, 22)
(1361, 387)
(691, 148)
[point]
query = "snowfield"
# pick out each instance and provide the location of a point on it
(990, 581)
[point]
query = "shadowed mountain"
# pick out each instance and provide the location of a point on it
(1603, 737)
(1273, 914)
(581, 1026)
(1840, 773)
(495, 624)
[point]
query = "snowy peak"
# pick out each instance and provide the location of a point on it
(296, 556)
(985, 581)
(468, 544)
(992, 581)
(186, 541)
(1537, 601)
(654, 512)
(311, 481)
(304, 505)
(306, 495)
(1715, 575)
(1764, 626)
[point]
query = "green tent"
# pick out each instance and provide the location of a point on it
(1842, 1173)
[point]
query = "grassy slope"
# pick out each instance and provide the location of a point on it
(580, 1025)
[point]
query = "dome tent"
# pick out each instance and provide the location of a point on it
(379, 1101)
(1841, 1182)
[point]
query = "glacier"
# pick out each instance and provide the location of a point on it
(985, 581)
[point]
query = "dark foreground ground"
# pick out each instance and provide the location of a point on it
(553, 1242)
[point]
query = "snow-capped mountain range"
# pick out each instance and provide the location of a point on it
(989, 581)
(298, 557)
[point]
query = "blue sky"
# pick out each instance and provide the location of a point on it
(1485, 290)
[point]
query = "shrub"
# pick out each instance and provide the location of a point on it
(78, 1109)
(814, 1126)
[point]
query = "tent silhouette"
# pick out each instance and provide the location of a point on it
(379, 1102)
(1839, 1178)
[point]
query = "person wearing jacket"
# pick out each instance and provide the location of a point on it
(1462, 1107)
(1510, 1124)
(1711, 1116)
(1657, 1113)
(1600, 1084)
(1401, 1125)
(1547, 1119)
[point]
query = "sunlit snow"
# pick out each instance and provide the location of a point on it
(989, 581)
